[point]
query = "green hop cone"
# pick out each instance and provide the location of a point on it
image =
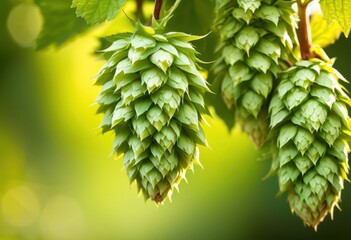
(152, 99)
(310, 128)
(255, 38)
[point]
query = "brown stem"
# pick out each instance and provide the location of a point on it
(139, 10)
(304, 32)
(157, 9)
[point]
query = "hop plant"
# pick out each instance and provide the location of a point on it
(256, 37)
(310, 129)
(152, 99)
(270, 76)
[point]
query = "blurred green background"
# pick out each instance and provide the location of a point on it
(59, 181)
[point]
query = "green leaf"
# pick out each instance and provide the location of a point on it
(177, 80)
(166, 138)
(197, 98)
(230, 28)
(132, 91)
(169, 48)
(259, 62)
(232, 54)
(107, 98)
(120, 138)
(146, 168)
(143, 42)
(295, 98)
(303, 78)
(199, 137)
(168, 99)
(188, 115)
(314, 114)
(215, 100)
(269, 48)
(182, 59)
(106, 121)
(134, 54)
(339, 11)
(279, 117)
(240, 73)
(339, 150)
(249, 4)
(247, 38)
(284, 87)
(286, 154)
(153, 79)
(324, 34)
(341, 110)
(122, 114)
(97, 11)
(186, 144)
(286, 176)
(303, 163)
(326, 80)
(252, 102)
(156, 117)
(303, 139)
(269, 13)
(198, 81)
(316, 151)
(60, 23)
(286, 133)
(143, 127)
(160, 38)
(162, 59)
(331, 129)
(324, 95)
(117, 45)
(138, 146)
(141, 106)
(240, 14)
(262, 84)
(227, 91)
(327, 167)
(275, 105)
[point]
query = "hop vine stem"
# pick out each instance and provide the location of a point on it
(157, 9)
(304, 30)
(139, 9)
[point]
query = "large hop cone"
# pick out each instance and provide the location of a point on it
(152, 99)
(255, 38)
(309, 121)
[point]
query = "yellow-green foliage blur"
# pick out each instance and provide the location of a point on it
(59, 180)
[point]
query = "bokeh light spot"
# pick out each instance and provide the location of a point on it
(62, 219)
(24, 23)
(20, 207)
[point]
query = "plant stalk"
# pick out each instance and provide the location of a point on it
(139, 10)
(157, 9)
(304, 31)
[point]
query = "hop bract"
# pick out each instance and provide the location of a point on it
(152, 99)
(254, 37)
(310, 127)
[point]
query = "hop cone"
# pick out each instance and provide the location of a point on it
(309, 121)
(152, 99)
(255, 36)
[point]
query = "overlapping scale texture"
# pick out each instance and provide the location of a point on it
(310, 125)
(152, 99)
(255, 38)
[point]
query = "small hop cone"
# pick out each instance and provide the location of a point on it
(309, 121)
(257, 127)
(152, 99)
(255, 36)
